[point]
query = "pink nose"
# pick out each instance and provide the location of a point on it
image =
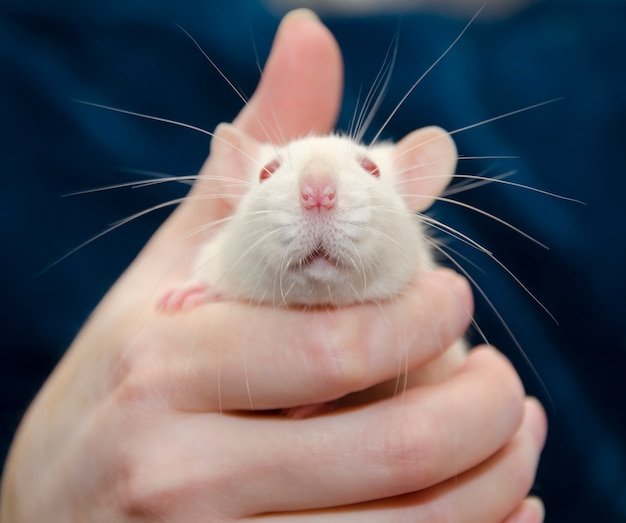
(318, 194)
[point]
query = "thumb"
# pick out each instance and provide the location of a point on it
(301, 86)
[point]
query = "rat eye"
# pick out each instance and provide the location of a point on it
(269, 169)
(370, 166)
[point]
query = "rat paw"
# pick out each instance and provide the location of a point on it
(185, 297)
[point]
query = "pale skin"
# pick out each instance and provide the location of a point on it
(148, 416)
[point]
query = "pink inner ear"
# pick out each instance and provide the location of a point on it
(426, 160)
(233, 156)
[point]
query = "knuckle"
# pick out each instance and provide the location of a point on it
(138, 493)
(151, 484)
(409, 455)
(339, 352)
(131, 467)
(444, 314)
(136, 383)
(132, 495)
(143, 373)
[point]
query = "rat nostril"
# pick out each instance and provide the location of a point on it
(318, 196)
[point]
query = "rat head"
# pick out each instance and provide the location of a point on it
(324, 220)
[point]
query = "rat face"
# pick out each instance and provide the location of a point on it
(325, 221)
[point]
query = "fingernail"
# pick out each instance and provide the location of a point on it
(300, 14)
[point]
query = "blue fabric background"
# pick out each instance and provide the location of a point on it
(129, 54)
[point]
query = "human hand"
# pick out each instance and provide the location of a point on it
(150, 416)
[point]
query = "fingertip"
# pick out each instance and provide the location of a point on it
(453, 298)
(298, 21)
(300, 89)
(461, 288)
(532, 510)
(536, 509)
(537, 420)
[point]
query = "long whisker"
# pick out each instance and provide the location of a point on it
(207, 226)
(439, 243)
(136, 184)
(482, 180)
(474, 182)
(124, 221)
(227, 80)
(111, 229)
(279, 127)
(426, 73)
(253, 245)
(450, 230)
(146, 116)
(499, 316)
(360, 267)
(210, 60)
(505, 115)
(167, 121)
(437, 247)
(280, 276)
(489, 157)
(140, 184)
(356, 115)
(478, 124)
(498, 180)
(381, 84)
(493, 217)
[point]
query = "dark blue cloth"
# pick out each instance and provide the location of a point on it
(129, 54)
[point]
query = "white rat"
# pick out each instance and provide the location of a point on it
(320, 221)
(323, 221)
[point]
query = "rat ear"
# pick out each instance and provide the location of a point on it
(233, 155)
(426, 160)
